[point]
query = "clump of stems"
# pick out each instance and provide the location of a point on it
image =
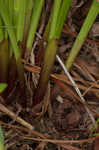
(60, 9)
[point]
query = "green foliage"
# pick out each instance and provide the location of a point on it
(38, 5)
(94, 128)
(19, 21)
(52, 46)
(93, 12)
(2, 147)
(2, 87)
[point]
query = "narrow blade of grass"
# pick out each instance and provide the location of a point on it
(11, 9)
(62, 16)
(7, 21)
(93, 12)
(2, 147)
(56, 8)
(1, 30)
(38, 4)
(27, 20)
(21, 19)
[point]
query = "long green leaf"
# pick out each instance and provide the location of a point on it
(7, 21)
(21, 19)
(1, 30)
(56, 8)
(2, 147)
(93, 12)
(38, 4)
(62, 16)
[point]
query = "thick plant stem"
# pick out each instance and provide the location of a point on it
(4, 54)
(49, 56)
(45, 72)
(52, 47)
(4, 60)
(11, 33)
(93, 12)
(38, 5)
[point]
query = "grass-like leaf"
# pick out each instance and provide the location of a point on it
(21, 19)
(3, 86)
(93, 12)
(2, 147)
(38, 4)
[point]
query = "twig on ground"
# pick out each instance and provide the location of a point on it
(13, 115)
(76, 89)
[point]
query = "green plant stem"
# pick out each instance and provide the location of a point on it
(7, 21)
(38, 4)
(49, 56)
(2, 147)
(27, 20)
(62, 16)
(1, 30)
(93, 12)
(11, 9)
(4, 54)
(54, 18)
(55, 23)
(4, 60)
(21, 20)
(45, 71)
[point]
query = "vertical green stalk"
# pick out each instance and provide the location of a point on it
(27, 20)
(7, 21)
(93, 12)
(4, 60)
(49, 56)
(21, 19)
(54, 26)
(11, 9)
(2, 147)
(56, 8)
(62, 16)
(45, 70)
(38, 4)
(4, 54)
(1, 30)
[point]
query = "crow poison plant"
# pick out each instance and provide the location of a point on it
(34, 24)
(93, 12)
(59, 12)
(19, 22)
